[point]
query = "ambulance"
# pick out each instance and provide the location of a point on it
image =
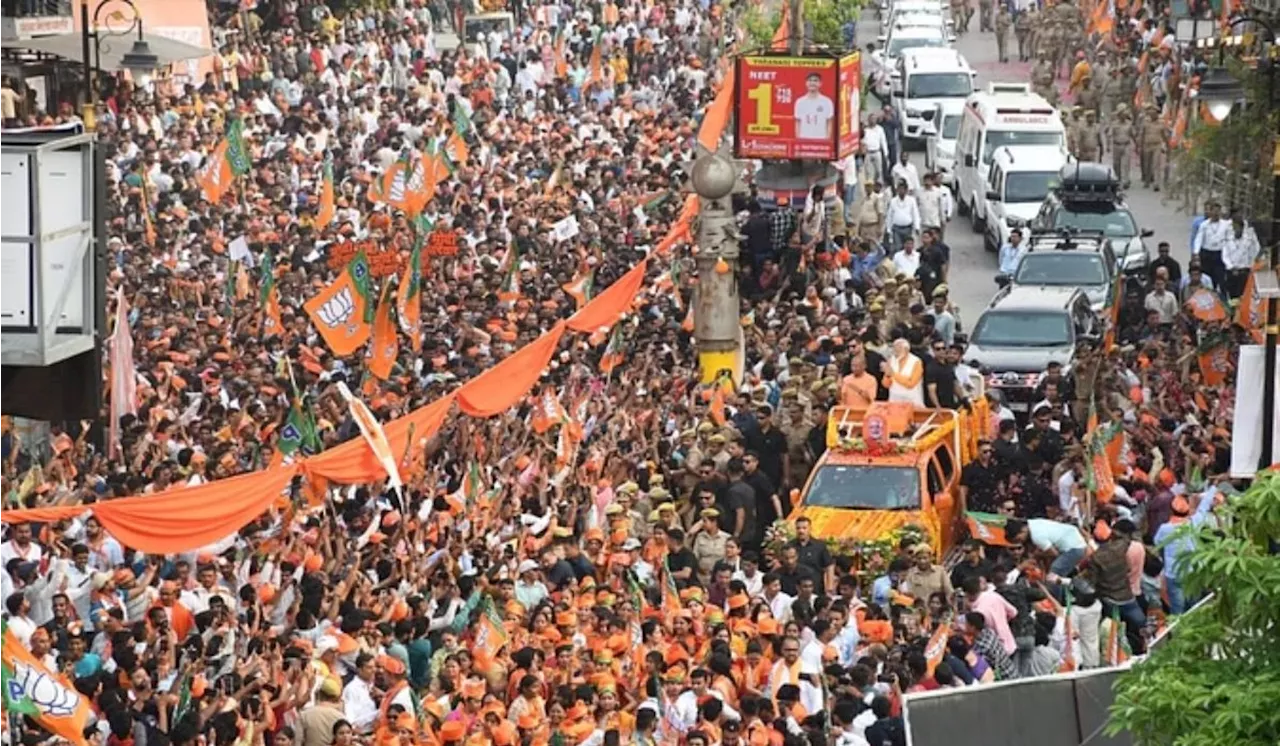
(1005, 115)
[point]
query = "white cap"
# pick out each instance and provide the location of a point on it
(527, 566)
(326, 643)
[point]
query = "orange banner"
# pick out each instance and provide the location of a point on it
(605, 309)
(717, 116)
(503, 386)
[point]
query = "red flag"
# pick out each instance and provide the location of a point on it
(124, 376)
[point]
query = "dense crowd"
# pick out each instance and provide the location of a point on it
(632, 591)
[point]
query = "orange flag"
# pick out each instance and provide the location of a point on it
(41, 694)
(327, 209)
(548, 411)
(456, 148)
(937, 647)
(1205, 305)
(782, 36)
(216, 176)
(373, 435)
(385, 345)
(716, 406)
(717, 117)
(1249, 313)
(272, 324)
(343, 311)
(1215, 364)
(595, 68)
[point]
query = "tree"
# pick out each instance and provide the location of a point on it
(826, 19)
(1216, 680)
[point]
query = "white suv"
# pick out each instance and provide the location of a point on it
(924, 78)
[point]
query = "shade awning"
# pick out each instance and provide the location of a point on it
(113, 48)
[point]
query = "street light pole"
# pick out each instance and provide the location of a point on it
(1220, 90)
(139, 58)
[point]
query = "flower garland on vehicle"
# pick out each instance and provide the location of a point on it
(874, 449)
(869, 557)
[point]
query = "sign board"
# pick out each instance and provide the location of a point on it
(382, 261)
(850, 105)
(31, 27)
(442, 242)
(789, 107)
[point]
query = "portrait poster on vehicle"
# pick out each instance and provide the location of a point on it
(787, 107)
(850, 104)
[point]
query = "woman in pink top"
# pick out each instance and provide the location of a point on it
(993, 608)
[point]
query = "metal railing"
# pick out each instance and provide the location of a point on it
(1193, 179)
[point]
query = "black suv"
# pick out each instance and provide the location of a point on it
(1071, 259)
(1023, 330)
(1088, 198)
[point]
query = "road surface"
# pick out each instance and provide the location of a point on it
(973, 269)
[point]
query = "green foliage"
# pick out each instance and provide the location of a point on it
(760, 26)
(1217, 679)
(828, 18)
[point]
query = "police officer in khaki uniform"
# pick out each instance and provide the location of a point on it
(1087, 97)
(984, 15)
(1151, 141)
(1022, 31)
(1089, 138)
(1121, 136)
(1072, 121)
(1042, 78)
(709, 541)
(1002, 32)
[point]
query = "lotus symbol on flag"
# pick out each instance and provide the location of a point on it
(53, 699)
(338, 310)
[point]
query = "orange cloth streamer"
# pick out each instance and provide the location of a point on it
(353, 462)
(503, 386)
(179, 520)
(717, 116)
(606, 308)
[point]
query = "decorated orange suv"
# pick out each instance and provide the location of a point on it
(889, 467)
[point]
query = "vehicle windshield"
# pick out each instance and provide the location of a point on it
(1114, 223)
(939, 85)
(951, 126)
(865, 487)
(1028, 186)
(896, 46)
(1022, 329)
(1014, 138)
(1065, 268)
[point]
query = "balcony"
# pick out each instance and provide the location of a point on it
(28, 19)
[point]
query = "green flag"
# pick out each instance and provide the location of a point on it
(22, 705)
(267, 277)
(362, 278)
(237, 152)
(299, 433)
(461, 121)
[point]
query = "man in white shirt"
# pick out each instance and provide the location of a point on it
(849, 173)
(699, 687)
(902, 216)
(931, 203)
(876, 145)
(1011, 253)
(1209, 242)
(814, 112)
(779, 602)
(357, 696)
(1238, 254)
(905, 170)
(20, 546)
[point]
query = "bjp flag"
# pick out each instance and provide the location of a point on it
(33, 690)
(936, 648)
(1206, 306)
(490, 635)
(216, 176)
(1249, 313)
(385, 345)
(343, 312)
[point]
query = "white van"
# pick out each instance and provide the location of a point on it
(940, 141)
(1019, 179)
(1004, 115)
(925, 78)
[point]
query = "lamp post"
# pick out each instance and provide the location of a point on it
(139, 58)
(1220, 91)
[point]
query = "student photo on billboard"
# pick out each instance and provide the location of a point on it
(814, 111)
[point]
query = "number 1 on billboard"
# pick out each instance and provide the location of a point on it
(763, 96)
